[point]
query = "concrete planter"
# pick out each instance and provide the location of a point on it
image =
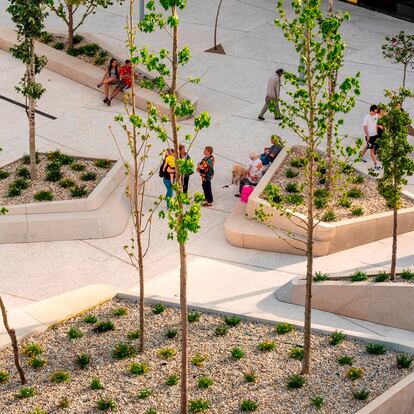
(104, 213)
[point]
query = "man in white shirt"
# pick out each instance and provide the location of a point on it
(272, 95)
(371, 134)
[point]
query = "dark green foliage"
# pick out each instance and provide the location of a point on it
(91, 318)
(358, 179)
(151, 411)
(158, 309)
(89, 49)
(335, 338)
(4, 174)
(292, 188)
(54, 174)
(297, 353)
(199, 406)
(132, 335)
(273, 194)
(329, 216)
(167, 353)
(123, 351)
(267, 346)
(32, 350)
(321, 193)
(107, 404)
(284, 328)
(103, 163)
(403, 361)
(59, 45)
(74, 51)
(355, 373)
(345, 360)
(104, 326)
(78, 192)
(75, 333)
(46, 37)
(44, 196)
(26, 158)
(407, 274)
(248, 406)
(361, 394)
(375, 349)
(345, 202)
(60, 377)
(25, 392)
(320, 277)
(101, 58)
(204, 382)
(296, 381)
(250, 377)
(354, 193)
(37, 410)
(237, 353)
(171, 333)
(77, 38)
(88, 176)
(77, 167)
(172, 380)
(359, 276)
(357, 211)
(83, 360)
(60, 159)
(199, 359)
(64, 403)
(381, 277)
(298, 162)
(24, 172)
(295, 199)
(121, 311)
(67, 183)
(221, 330)
(291, 173)
(145, 393)
(347, 169)
(96, 384)
(320, 202)
(4, 376)
(37, 363)
(193, 316)
(139, 368)
(317, 401)
(232, 321)
(16, 187)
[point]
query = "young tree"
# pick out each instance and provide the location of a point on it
(67, 9)
(183, 209)
(394, 154)
(29, 17)
(400, 49)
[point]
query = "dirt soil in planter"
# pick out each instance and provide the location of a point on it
(371, 201)
(272, 368)
(59, 193)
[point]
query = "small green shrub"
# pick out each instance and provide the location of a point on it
(167, 353)
(347, 168)
(193, 316)
(46, 37)
(335, 338)
(59, 46)
(54, 175)
(32, 350)
(96, 384)
(88, 176)
(295, 199)
(90, 49)
(357, 211)
(273, 194)
(37, 363)
(16, 187)
(297, 353)
(345, 202)
(298, 162)
(104, 326)
(4, 175)
(91, 318)
(139, 368)
(359, 276)
(375, 349)
(355, 373)
(321, 193)
(358, 179)
(199, 406)
(132, 335)
(75, 333)
(103, 163)
(171, 333)
(320, 202)
(221, 330)
(64, 403)
(74, 51)
(250, 376)
(26, 158)
(83, 360)
(107, 404)
(4, 376)
(151, 411)
(77, 39)
(296, 381)
(101, 58)
(403, 361)
(237, 353)
(284, 328)
(78, 191)
(329, 216)
(199, 359)
(172, 380)
(204, 382)
(317, 401)
(121, 311)
(145, 393)
(381, 277)
(37, 410)
(354, 193)
(67, 183)
(292, 188)
(232, 321)
(123, 351)
(60, 377)
(25, 392)
(24, 172)
(291, 173)
(407, 274)
(320, 277)
(267, 346)
(43, 195)
(158, 309)
(77, 167)
(248, 406)
(361, 394)
(345, 360)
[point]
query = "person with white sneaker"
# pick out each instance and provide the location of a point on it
(371, 135)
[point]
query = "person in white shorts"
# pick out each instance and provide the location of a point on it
(371, 135)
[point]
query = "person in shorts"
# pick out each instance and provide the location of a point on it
(111, 77)
(371, 135)
(124, 83)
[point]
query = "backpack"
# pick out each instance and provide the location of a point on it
(161, 171)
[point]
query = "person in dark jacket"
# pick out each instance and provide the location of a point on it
(206, 170)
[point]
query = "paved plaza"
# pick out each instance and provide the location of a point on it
(232, 91)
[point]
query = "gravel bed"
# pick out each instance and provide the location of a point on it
(371, 201)
(42, 184)
(229, 389)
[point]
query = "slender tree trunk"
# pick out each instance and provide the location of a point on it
(404, 76)
(70, 25)
(394, 243)
(15, 346)
(216, 24)
(31, 115)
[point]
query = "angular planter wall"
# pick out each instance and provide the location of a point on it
(104, 213)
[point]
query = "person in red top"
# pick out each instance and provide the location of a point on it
(125, 81)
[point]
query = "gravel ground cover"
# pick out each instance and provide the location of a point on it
(370, 201)
(134, 393)
(60, 189)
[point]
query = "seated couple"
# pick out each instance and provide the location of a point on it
(121, 78)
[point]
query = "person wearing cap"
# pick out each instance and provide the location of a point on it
(272, 95)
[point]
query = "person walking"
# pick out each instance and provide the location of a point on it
(206, 170)
(272, 95)
(371, 135)
(167, 173)
(186, 179)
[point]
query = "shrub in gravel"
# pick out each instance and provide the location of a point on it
(103, 163)
(317, 401)
(59, 45)
(37, 410)
(158, 309)
(44, 195)
(167, 353)
(77, 167)
(91, 318)
(61, 159)
(407, 274)
(357, 211)
(284, 328)
(32, 350)
(345, 360)
(151, 411)
(358, 179)
(296, 381)
(172, 380)
(132, 335)
(354, 193)
(199, 406)
(375, 349)
(83, 360)
(199, 359)
(346, 168)
(67, 183)
(194, 316)
(77, 39)
(54, 174)
(37, 363)
(96, 384)
(345, 202)
(355, 373)
(25, 392)
(171, 333)
(320, 277)
(329, 216)
(107, 404)
(291, 173)
(123, 351)
(359, 276)
(335, 338)
(321, 193)
(16, 187)
(75, 333)
(78, 191)
(4, 376)
(295, 199)
(121, 311)
(297, 353)
(237, 353)
(88, 176)
(361, 394)
(23, 172)
(26, 158)
(104, 326)
(232, 321)
(292, 188)
(248, 406)
(267, 346)
(320, 202)
(64, 403)
(145, 393)
(381, 277)
(221, 330)
(59, 377)
(250, 376)
(298, 162)
(204, 382)
(403, 361)
(139, 368)
(4, 175)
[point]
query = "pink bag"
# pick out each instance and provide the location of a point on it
(245, 194)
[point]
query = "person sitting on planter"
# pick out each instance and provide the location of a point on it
(111, 77)
(125, 81)
(254, 173)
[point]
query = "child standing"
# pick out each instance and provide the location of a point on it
(206, 170)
